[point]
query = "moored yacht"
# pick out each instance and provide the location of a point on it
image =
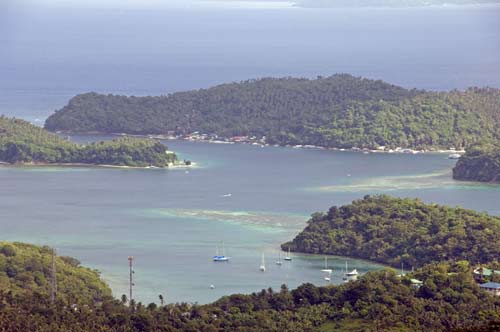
(326, 269)
(220, 258)
(262, 264)
(288, 257)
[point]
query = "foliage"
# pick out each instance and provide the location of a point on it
(25, 270)
(381, 301)
(339, 111)
(394, 231)
(480, 163)
(22, 142)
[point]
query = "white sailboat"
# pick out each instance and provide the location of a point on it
(352, 273)
(288, 257)
(279, 262)
(262, 264)
(326, 269)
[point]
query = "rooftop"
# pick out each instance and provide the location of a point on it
(486, 272)
(494, 285)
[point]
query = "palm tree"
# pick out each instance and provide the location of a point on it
(161, 299)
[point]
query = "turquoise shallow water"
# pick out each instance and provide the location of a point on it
(172, 220)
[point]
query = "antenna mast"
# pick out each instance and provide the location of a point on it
(131, 272)
(53, 281)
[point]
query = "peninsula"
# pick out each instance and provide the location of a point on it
(480, 163)
(397, 231)
(24, 143)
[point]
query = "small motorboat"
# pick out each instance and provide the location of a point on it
(353, 273)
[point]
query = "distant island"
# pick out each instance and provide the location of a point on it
(480, 163)
(388, 3)
(24, 143)
(340, 111)
(397, 231)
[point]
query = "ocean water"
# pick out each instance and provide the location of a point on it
(51, 53)
(172, 220)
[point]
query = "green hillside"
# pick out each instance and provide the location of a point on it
(479, 163)
(448, 300)
(25, 270)
(22, 142)
(393, 231)
(340, 111)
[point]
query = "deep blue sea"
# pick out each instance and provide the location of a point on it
(172, 220)
(50, 53)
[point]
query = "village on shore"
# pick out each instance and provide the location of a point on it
(262, 142)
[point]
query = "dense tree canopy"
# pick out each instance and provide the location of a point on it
(479, 163)
(394, 231)
(379, 301)
(25, 270)
(339, 111)
(22, 142)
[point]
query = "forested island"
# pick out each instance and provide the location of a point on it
(480, 163)
(24, 143)
(447, 300)
(397, 231)
(388, 3)
(340, 111)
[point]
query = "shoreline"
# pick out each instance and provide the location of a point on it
(84, 165)
(195, 137)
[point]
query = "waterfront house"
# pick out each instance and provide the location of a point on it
(491, 287)
(415, 283)
(482, 274)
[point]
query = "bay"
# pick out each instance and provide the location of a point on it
(172, 220)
